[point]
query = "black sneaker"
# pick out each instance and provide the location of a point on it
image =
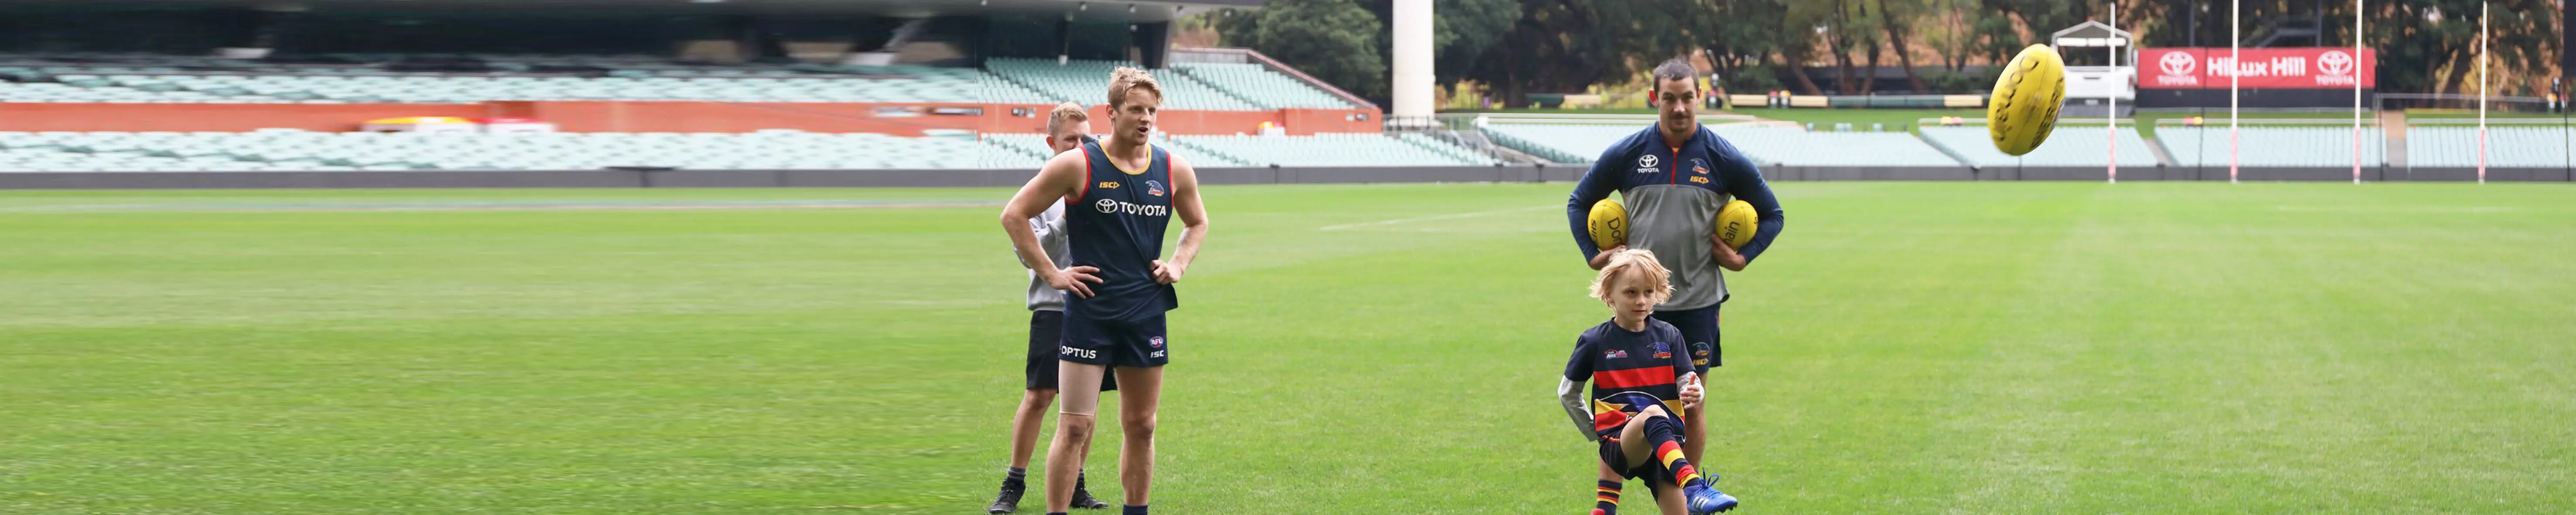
(1009, 500)
(1082, 496)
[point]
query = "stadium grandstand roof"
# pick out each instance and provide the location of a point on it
(1135, 11)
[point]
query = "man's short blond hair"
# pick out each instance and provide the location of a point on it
(1640, 260)
(1067, 113)
(1124, 79)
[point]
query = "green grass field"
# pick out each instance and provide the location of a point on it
(1904, 348)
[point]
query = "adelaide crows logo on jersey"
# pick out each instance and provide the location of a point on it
(1663, 351)
(1699, 171)
(1154, 188)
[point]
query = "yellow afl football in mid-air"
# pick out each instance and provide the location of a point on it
(1608, 223)
(1736, 223)
(2024, 106)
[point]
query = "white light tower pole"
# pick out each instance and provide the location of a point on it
(2356, 91)
(2482, 92)
(2111, 131)
(1413, 83)
(2235, 65)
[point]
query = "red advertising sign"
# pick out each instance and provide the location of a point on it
(2260, 68)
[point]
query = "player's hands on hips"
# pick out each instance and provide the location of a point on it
(1072, 279)
(1603, 259)
(1167, 272)
(1724, 254)
(1691, 393)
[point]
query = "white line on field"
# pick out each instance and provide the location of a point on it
(1430, 218)
(2394, 209)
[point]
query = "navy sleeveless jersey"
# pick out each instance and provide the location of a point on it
(1117, 225)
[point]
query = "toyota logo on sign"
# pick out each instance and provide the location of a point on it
(2176, 63)
(2335, 63)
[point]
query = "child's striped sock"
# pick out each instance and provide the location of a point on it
(1670, 454)
(1607, 500)
(1665, 433)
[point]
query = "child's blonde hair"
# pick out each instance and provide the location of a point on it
(1641, 260)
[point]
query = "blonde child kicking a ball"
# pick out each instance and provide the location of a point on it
(1642, 382)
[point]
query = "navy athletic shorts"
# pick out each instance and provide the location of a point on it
(1699, 326)
(1046, 332)
(1114, 343)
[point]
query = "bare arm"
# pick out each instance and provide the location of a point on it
(1050, 229)
(1059, 179)
(1194, 223)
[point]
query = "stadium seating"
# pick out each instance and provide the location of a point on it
(298, 150)
(2268, 146)
(382, 78)
(301, 150)
(2069, 146)
(1028, 144)
(1262, 87)
(1563, 143)
(1793, 147)
(915, 84)
(2507, 147)
(1024, 151)
(1088, 82)
(1768, 146)
(1331, 150)
(1317, 150)
(62, 160)
(1437, 146)
(21, 64)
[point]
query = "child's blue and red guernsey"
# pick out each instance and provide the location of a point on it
(1116, 224)
(1629, 371)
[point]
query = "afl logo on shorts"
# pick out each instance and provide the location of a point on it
(1154, 188)
(1157, 342)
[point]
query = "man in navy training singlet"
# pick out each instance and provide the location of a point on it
(1120, 195)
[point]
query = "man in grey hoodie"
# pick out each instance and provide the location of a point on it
(1067, 128)
(1675, 176)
